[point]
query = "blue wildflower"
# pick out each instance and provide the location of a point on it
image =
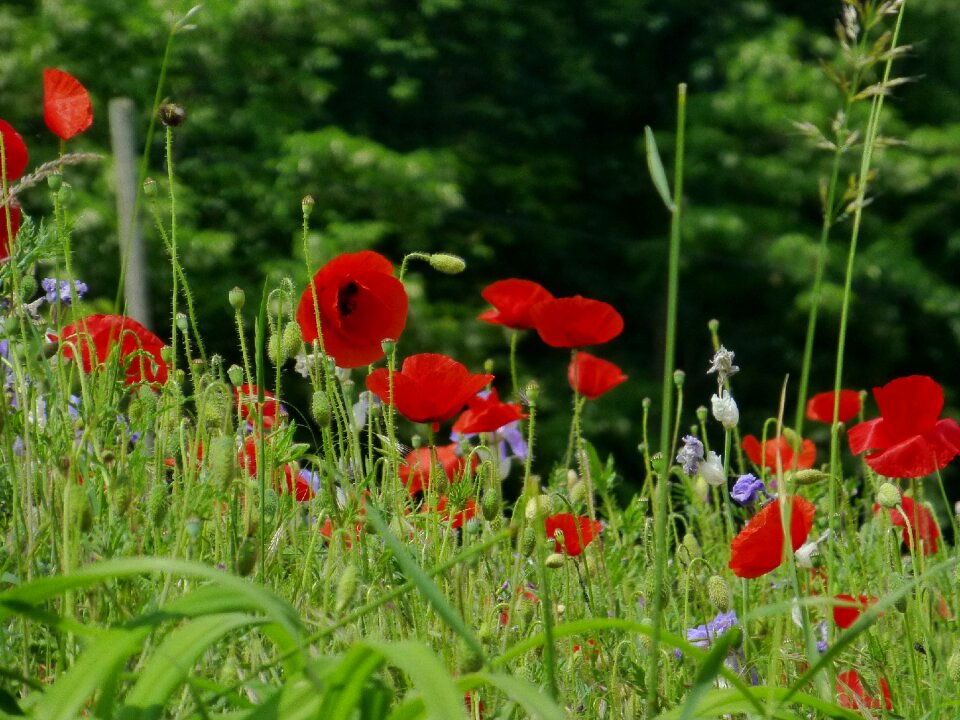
(60, 290)
(747, 488)
(690, 455)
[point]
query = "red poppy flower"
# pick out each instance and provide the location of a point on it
(14, 150)
(139, 348)
(246, 399)
(845, 615)
(576, 321)
(758, 548)
(513, 300)
(415, 469)
(577, 532)
(820, 406)
(429, 388)
(292, 481)
(361, 305)
(850, 693)
(487, 414)
(591, 376)
(526, 596)
(766, 454)
(326, 530)
(909, 439)
(66, 104)
(459, 518)
(923, 525)
(15, 217)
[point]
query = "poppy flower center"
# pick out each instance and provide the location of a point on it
(347, 298)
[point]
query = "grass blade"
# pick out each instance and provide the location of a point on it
(655, 166)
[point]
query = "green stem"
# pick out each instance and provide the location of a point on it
(662, 487)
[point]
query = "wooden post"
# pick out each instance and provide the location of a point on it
(128, 227)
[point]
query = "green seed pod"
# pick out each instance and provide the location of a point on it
(679, 376)
(719, 593)
(292, 339)
(810, 477)
(306, 205)
(222, 459)
(80, 507)
(235, 373)
(346, 588)
(528, 541)
(320, 408)
(447, 263)
(490, 504)
(247, 556)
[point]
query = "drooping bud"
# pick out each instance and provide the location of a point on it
(158, 503)
(810, 476)
(888, 496)
(275, 351)
(719, 593)
(692, 546)
(528, 541)
(447, 263)
(237, 298)
(578, 493)
(538, 506)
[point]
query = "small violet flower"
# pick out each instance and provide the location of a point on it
(690, 455)
(60, 290)
(702, 635)
(747, 488)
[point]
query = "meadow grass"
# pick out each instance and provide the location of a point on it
(171, 548)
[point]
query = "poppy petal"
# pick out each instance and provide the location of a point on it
(820, 406)
(66, 104)
(14, 150)
(592, 376)
(576, 321)
(513, 300)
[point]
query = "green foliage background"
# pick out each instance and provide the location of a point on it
(511, 133)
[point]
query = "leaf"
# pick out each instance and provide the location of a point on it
(428, 675)
(343, 688)
(173, 659)
(655, 166)
(428, 589)
(530, 697)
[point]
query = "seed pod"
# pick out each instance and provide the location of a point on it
(237, 298)
(554, 560)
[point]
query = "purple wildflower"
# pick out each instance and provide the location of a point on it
(690, 455)
(60, 290)
(746, 488)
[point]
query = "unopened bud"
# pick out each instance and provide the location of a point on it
(55, 182)
(678, 377)
(171, 115)
(320, 408)
(181, 321)
(247, 556)
(292, 339)
(888, 495)
(532, 392)
(447, 263)
(719, 593)
(222, 459)
(953, 667)
(528, 541)
(538, 506)
(490, 504)
(692, 546)
(578, 493)
(306, 205)
(150, 188)
(275, 351)
(810, 477)
(554, 560)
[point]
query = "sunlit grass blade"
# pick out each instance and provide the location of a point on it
(428, 676)
(343, 688)
(424, 584)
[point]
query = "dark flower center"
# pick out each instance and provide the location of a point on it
(347, 298)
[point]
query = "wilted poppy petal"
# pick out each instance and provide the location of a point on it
(820, 406)
(513, 300)
(66, 104)
(14, 150)
(592, 376)
(576, 321)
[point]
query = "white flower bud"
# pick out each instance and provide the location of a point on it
(711, 470)
(725, 410)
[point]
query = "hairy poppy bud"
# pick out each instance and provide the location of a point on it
(171, 115)
(447, 263)
(490, 504)
(275, 350)
(719, 593)
(528, 542)
(222, 456)
(320, 408)
(157, 503)
(292, 339)
(692, 546)
(554, 561)
(538, 506)
(888, 495)
(346, 588)
(532, 392)
(247, 557)
(237, 297)
(810, 477)
(953, 667)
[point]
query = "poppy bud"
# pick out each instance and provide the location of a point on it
(235, 373)
(150, 188)
(678, 377)
(292, 339)
(271, 502)
(538, 506)
(346, 588)
(306, 205)
(320, 408)
(810, 477)
(193, 527)
(554, 560)
(275, 351)
(54, 182)
(247, 557)
(888, 495)
(447, 263)
(528, 542)
(692, 546)
(237, 297)
(578, 493)
(171, 115)
(646, 403)
(490, 504)
(532, 392)
(223, 460)
(471, 660)
(719, 593)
